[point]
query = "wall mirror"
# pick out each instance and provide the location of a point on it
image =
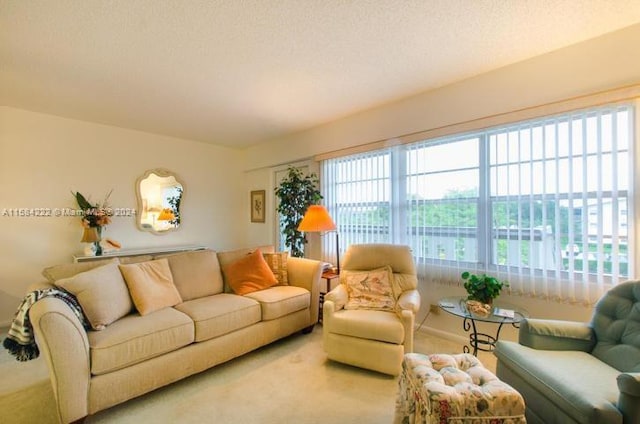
(159, 193)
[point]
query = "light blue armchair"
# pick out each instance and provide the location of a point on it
(570, 372)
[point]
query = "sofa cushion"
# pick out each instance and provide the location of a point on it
(581, 385)
(101, 292)
(279, 301)
(367, 324)
(136, 338)
(249, 273)
(228, 256)
(134, 259)
(151, 285)
(57, 272)
(220, 314)
(195, 274)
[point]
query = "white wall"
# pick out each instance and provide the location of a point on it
(261, 233)
(43, 158)
(596, 65)
(267, 232)
(593, 66)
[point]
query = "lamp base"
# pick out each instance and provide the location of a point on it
(337, 271)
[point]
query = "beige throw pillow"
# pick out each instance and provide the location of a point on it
(151, 285)
(278, 264)
(101, 292)
(369, 289)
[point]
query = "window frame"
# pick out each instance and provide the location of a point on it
(400, 226)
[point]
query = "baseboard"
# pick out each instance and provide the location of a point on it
(444, 335)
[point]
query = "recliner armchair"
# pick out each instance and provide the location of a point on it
(572, 372)
(371, 338)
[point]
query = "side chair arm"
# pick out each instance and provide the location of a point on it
(338, 296)
(410, 301)
(556, 335)
(629, 397)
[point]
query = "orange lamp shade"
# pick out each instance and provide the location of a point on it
(316, 219)
(90, 235)
(166, 215)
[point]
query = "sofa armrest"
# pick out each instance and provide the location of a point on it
(556, 335)
(409, 300)
(41, 285)
(63, 342)
(408, 319)
(306, 273)
(629, 383)
(408, 307)
(629, 398)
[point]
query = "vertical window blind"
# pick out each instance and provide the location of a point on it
(359, 199)
(543, 204)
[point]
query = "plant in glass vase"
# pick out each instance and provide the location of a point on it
(94, 218)
(482, 289)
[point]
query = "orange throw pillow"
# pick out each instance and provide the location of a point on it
(249, 274)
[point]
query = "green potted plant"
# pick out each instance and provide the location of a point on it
(482, 288)
(296, 193)
(174, 201)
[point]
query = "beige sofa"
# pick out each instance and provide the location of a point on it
(94, 370)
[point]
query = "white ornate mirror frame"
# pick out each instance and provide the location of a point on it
(159, 194)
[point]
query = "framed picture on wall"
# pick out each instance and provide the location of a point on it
(257, 206)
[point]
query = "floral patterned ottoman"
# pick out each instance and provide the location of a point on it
(454, 389)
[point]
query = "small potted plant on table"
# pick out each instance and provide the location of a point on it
(482, 289)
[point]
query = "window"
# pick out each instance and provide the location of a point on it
(542, 203)
(361, 197)
(442, 199)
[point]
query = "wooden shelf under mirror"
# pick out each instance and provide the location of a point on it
(137, 252)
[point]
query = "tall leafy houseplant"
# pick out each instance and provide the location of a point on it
(174, 201)
(296, 193)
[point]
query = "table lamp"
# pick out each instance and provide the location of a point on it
(90, 235)
(166, 214)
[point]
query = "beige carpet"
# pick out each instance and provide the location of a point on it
(290, 381)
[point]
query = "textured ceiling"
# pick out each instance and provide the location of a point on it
(240, 72)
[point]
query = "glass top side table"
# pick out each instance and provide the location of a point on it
(481, 341)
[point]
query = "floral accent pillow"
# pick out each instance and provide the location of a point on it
(278, 264)
(369, 289)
